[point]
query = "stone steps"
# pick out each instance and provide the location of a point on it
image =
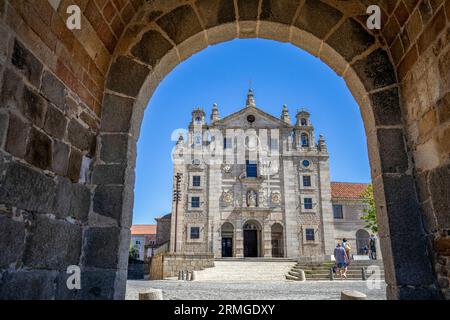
(322, 272)
(235, 270)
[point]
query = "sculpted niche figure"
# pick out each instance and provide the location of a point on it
(252, 198)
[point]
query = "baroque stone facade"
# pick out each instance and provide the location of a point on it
(253, 185)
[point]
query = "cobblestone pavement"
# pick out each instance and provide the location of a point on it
(268, 290)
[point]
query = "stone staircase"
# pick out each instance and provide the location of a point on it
(258, 269)
(316, 272)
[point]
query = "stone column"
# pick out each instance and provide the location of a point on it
(239, 236)
(214, 193)
(290, 196)
(267, 239)
(325, 206)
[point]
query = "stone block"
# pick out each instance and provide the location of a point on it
(4, 120)
(52, 244)
(317, 18)
(151, 48)
(443, 108)
(63, 197)
(60, 161)
(215, 12)
(116, 114)
(39, 150)
(351, 39)
(114, 148)
(28, 285)
(180, 24)
(375, 70)
(392, 151)
(439, 187)
(80, 137)
(281, 11)
(55, 123)
(11, 93)
(33, 106)
(80, 202)
(119, 80)
(12, 241)
(26, 63)
(97, 285)
(74, 167)
(53, 89)
(100, 247)
(248, 10)
(109, 174)
(27, 189)
(386, 107)
(108, 201)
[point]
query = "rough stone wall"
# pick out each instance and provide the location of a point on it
(408, 59)
(163, 230)
(173, 263)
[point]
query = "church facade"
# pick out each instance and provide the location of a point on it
(254, 185)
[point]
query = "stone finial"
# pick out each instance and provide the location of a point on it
(215, 113)
(322, 144)
(285, 115)
(250, 99)
(180, 139)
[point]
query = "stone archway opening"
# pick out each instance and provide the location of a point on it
(362, 241)
(227, 240)
(277, 240)
(252, 236)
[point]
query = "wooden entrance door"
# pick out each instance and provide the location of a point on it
(250, 243)
(227, 247)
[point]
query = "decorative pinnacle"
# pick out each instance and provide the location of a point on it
(250, 99)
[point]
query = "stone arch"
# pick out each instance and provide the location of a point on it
(362, 238)
(407, 135)
(360, 58)
(277, 240)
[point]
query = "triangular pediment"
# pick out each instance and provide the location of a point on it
(262, 119)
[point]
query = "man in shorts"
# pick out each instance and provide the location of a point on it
(341, 260)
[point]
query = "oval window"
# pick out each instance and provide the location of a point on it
(251, 118)
(306, 163)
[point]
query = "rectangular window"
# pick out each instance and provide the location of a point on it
(307, 181)
(195, 202)
(309, 234)
(195, 233)
(338, 212)
(227, 143)
(252, 169)
(308, 203)
(196, 181)
(273, 144)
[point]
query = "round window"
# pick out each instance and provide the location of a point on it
(251, 118)
(306, 163)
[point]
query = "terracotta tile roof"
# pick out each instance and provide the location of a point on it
(347, 190)
(142, 229)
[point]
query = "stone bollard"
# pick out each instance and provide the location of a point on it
(151, 294)
(352, 295)
(180, 275)
(301, 276)
(193, 275)
(363, 274)
(188, 275)
(331, 274)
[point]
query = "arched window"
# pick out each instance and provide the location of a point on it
(305, 140)
(303, 122)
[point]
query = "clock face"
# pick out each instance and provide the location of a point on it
(198, 120)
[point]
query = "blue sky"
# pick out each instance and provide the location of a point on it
(280, 74)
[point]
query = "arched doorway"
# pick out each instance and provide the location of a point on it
(362, 238)
(227, 234)
(277, 240)
(252, 239)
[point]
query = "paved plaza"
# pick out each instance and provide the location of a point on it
(253, 290)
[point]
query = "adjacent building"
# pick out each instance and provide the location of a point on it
(143, 239)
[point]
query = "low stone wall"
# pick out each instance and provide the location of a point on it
(169, 264)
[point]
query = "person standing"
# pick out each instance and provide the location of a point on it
(341, 260)
(373, 247)
(347, 248)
